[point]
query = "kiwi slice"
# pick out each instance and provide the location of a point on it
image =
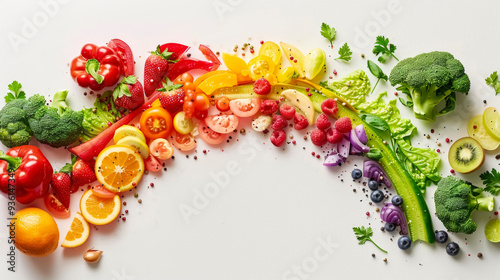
(466, 155)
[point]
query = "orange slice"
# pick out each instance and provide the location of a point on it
(98, 210)
(78, 232)
(119, 168)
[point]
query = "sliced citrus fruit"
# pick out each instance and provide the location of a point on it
(98, 210)
(119, 168)
(491, 120)
(128, 130)
(78, 232)
(492, 231)
(476, 130)
(136, 144)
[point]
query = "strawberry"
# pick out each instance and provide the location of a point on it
(172, 96)
(129, 93)
(343, 125)
(81, 174)
(155, 69)
(61, 183)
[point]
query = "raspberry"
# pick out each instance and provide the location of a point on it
(287, 111)
(268, 107)
(318, 137)
(300, 122)
(329, 107)
(262, 86)
(322, 122)
(279, 123)
(278, 137)
(343, 125)
(334, 136)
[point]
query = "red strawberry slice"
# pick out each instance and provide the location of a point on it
(129, 93)
(172, 100)
(61, 183)
(155, 69)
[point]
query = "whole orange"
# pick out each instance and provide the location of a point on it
(36, 232)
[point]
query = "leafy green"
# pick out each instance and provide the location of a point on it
(491, 180)
(364, 234)
(96, 120)
(374, 154)
(16, 92)
(375, 122)
(328, 32)
(377, 72)
(354, 87)
(493, 81)
(345, 53)
(382, 46)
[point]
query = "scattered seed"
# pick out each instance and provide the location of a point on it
(428, 136)
(479, 255)
(140, 200)
(362, 55)
(136, 195)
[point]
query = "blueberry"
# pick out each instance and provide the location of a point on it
(377, 196)
(390, 227)
(404, 242)
(441, 236)
(397, 200)
(356, 174)
(373, 185)
(452, 249)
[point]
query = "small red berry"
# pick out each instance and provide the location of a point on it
(452, 171)
(343, 125)
(262, 86)
(447, 140)
(287, 111)
(279, 122)
(318, 137)
(268, 107)
(334, 136)
(322, 122)
(278, 137)
(300, 122)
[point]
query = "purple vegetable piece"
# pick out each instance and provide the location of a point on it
(373, 170)
(344, 147)
(356, 143)
(394, 215)
(333, 159)
(361, 133)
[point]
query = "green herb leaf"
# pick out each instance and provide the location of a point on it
(374, 154)
(92, 68)
(328, 32)
(168, 86)
(492, 181)
(323, 84)
(375, 122)
(345, 53)
(383, 47)
(406, 103)
(376, 71)
(16, 92)
(492, 80)
(364, 234)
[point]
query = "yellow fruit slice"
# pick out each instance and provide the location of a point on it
(212, 83)
(491, 121)
(128, 130)
(235, 64)
(295, 57)
(136, 144)
(119, 168)
(97, 210)
(476, 130)
(78, 232)
(260, 66)
(271, 50)
(301, 102)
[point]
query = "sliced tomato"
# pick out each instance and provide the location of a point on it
(100, 191)
(245, 107)
(161, 149)
(222, 123)
(125, 54)
(156, 123)
(55, 207)
(209, 135)
(222, 103)
(209, 54)
(152, 164)
(183, 142)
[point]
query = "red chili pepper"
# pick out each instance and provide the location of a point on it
(188, 64)
(177, 50)
(96, 67)
(24, 172)
(209, 54)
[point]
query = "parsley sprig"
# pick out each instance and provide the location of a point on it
(328, 32)
(382, 46)
(364, 234)
(491, 180)
(493, 81)
(345, 53)
(15, 92)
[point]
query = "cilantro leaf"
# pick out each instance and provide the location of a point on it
(345, 53)
(382, 46)
(492, 80)
(168, 86)
(328, 32)
(364, 234)
(16, 92)
(492, 181)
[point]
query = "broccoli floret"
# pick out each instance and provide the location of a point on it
(96, 120)
(14, 128)
(455, 201)
(429, 78)
(32, 105)
(56, 125)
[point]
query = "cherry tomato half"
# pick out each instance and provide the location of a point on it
(55, 207)
(222, 123)
(155, 123)
(222, 103)
(161, 149)
(245, 107)
(208, 135)
(183, 142)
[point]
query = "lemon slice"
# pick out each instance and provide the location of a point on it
(128, 130)
(136, 144)
(476, 130)
(492, 231)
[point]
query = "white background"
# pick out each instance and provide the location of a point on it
(273, 214)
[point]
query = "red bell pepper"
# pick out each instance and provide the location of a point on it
(209, 54)
(96, 67)
(24, 172)
(177, 50)
(188, 64)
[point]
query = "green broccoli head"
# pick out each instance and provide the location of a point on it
(32, 105)
(14, 128)
(57, 125)
(455, 201)
(429, 78)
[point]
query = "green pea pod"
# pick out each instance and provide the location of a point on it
(314, 62)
